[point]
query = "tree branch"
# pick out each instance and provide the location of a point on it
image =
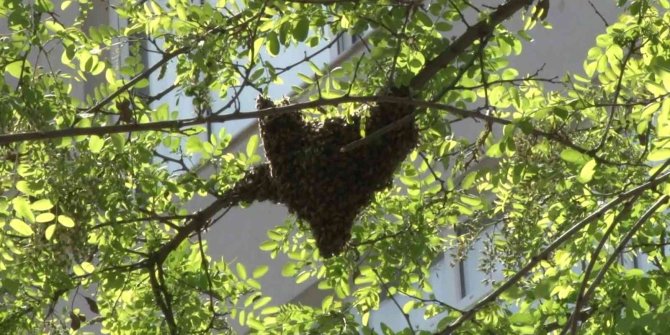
(615, 255)
(514, 279)
(161, 300)
(461, 44)
(572, 321)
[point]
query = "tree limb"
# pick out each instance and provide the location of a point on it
(615, 254)
(514, 279)
(462, 43)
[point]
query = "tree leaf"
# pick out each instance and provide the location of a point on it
(301, 29)
(95, 144)
(88, 267)
(42, 205)
(252, 145)
(273, 44)
(49, 232)
(21, 227)
(241, 270)
(66, 221)
(14, 68)
(45, 217)
(659, 155)
(572, 156)
(92, 305)
(260, 271)
(586, 174)
(22, 208)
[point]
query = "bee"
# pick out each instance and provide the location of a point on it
(321, 185)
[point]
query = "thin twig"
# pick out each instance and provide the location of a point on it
(395, 302)
(599, 14)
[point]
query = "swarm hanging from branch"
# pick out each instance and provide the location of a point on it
(318, 182)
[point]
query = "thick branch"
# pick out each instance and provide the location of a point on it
(161, 301)
(255, 186)
(186, 123)
(461, 44)
(625, 212)
(521, 273)
(615, 255)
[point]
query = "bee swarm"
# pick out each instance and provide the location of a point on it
(316, 181)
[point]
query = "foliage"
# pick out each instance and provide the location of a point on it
(564, 177)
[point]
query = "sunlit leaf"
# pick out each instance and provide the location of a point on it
(21, 227)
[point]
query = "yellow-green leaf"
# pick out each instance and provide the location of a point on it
(659, 155)
(252, 145)
(22, 208)
(78, 270)
(261, 302)
(42, 205)
(574, 156)
(586, 174)
(88, 267)
(241, 270)
(66, 221)
(23, 187)
(21, 227)
(260, 271)
(95, 144)
(14, 68)
(49, 232)
(45, 217)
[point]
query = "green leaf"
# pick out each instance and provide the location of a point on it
(87, 267)
(270, 310)
(252, 145)
(14, 68)
(118, 141)
(273, 44)
(66, 221)
(22, 208)
(42, 205)
(49, 232)
(303, 277)
(261, 302)
(255, 324)
(522, 318)
(241, 270)
(260, 271)
(95, 144)
(78, 270)
(494, 151)
(586, 174)
(23, 187)
(408, 306)
(21, 227)
(289, 270)
(194, 145)
(573, 156)
(44, 6)
(659, 155)
(45, 217)
(327, 302)
(268, 245)
(301, 29)
(469, 180)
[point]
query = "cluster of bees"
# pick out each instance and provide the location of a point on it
(320, 184)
